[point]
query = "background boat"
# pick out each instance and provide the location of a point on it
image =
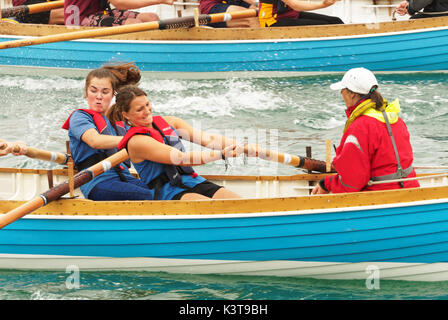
(276, 230)
(400, 46)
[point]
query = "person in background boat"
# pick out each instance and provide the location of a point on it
(280, 13)
(431, 8)
(154, 147)
(98, 13)
(219, 6)
(8, 147)
(55, 16)
(93, 138)
(374, 147)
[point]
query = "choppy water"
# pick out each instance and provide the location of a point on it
(284, 114)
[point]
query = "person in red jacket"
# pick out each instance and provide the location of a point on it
(375, 146)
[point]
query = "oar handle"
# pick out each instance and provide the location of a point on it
(58, 191)
(175, 23)
(289, 159)
(31, 8)
(34, 153)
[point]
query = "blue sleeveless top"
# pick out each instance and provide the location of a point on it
(149, 170)
(80, 122)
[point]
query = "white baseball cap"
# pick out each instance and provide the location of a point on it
(358, 80)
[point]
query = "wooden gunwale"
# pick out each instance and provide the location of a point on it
(304, 176)
(201, 33)
(82, 207)
(64, 172)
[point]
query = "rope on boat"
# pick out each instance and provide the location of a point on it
(432, 13)
(421, 12)
(370, 183)
(181, 24)
(431, 167)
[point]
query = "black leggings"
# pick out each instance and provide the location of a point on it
(308, 18)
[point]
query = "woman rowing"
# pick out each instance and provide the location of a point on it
(375, 145)
(93, 138)
(154, 146)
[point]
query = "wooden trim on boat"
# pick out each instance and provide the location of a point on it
(64, 172)
(82, 207)
(304, 176)
(200, 33)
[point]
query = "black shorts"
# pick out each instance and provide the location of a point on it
(39, 18)
(206, 188)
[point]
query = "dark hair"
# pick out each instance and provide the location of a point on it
(119, 74)
(373, 95)
(376, 97)
(123, 100)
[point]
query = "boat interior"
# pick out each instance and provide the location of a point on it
(25, 184)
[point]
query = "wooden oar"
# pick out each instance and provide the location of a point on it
(40, 154)
(289, 159)
(174, 23)
(57, 157)
(58, 191)
(31, 8)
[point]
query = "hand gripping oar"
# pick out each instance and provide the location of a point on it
(289, 159)
(31, 8)
(58, 191)
(175, 23)
(45, 155)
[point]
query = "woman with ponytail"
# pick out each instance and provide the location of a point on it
(375, 145)
(93, 137)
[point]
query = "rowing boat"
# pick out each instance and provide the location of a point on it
(277, 229)
(198, 52)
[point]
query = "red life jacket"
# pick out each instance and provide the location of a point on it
(154, 133)
(102, 127)
(163, 133)
(98, 119)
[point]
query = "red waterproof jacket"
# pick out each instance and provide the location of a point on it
(366, 151)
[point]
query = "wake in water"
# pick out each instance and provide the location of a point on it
(163, 286)
(300, 111)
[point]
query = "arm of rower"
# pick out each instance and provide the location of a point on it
(210, 140)
(299, 5)
(141, 147)
(100, 141)
(135, 4)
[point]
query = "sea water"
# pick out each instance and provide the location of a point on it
(281, 114)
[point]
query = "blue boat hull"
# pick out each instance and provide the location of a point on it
(404, 235)
(422, 50)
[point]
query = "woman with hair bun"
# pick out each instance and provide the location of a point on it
(375, 145)
(155, 148)
(93, 137)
